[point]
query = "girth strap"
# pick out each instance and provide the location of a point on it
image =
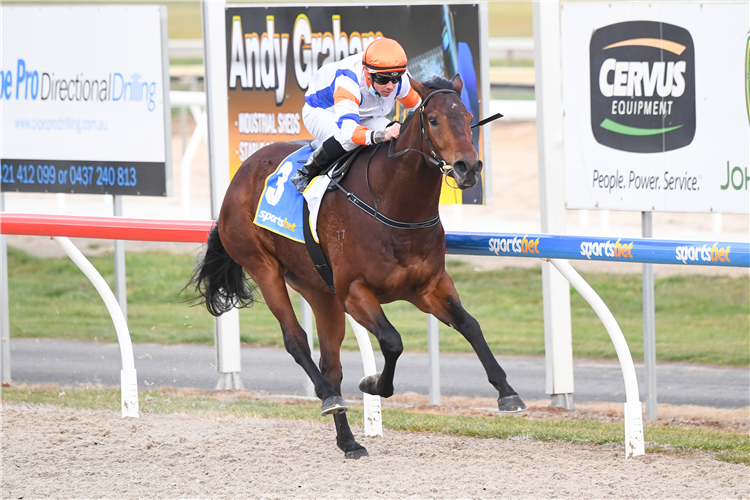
(314, 249)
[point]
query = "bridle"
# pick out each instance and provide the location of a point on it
(433, 157)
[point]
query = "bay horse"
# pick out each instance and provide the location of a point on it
(373, 262)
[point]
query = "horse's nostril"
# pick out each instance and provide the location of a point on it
(461, 166)
(464, 166)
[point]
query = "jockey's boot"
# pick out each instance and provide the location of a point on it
(322, 158)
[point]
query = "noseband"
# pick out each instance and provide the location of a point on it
(435, 159)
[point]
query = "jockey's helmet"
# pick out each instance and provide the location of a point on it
(385, 56)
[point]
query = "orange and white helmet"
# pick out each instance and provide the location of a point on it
(385, 55)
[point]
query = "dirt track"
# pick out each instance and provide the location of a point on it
(49, 452)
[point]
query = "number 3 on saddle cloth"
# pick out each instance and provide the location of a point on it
(283, 210)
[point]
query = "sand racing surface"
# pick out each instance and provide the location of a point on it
(51, 452)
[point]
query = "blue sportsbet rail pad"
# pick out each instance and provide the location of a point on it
(648, 251)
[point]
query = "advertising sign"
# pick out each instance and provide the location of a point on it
(83, 100)
(273, 53)
(656, 113)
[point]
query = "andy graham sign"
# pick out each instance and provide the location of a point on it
(655, 108)
(274, 52)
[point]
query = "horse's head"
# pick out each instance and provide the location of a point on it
(447, 133)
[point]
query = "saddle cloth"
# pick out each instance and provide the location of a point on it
(280, 206)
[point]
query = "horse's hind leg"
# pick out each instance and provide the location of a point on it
(331, 329)
(443, 303)
(268, 275)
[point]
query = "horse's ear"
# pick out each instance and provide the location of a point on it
(421, 89)
(458, 84)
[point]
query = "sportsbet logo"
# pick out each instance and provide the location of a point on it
(705, 253)
(607, 249)
(514, 245)
(642, 86)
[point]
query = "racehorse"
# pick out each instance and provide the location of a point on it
(391, 250)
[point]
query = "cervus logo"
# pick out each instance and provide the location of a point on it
(642, 86)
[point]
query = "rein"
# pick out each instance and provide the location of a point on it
(373, 212)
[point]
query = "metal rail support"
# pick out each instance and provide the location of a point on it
(128, 378)
(634, 443)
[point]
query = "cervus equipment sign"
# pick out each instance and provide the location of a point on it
(273, 52)
(656, 115)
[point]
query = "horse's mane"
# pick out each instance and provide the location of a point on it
(434, 83)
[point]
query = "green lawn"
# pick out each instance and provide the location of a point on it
(701, 319)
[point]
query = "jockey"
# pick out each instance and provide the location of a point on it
(347, 103)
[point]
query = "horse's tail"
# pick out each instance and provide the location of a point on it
(220, 281)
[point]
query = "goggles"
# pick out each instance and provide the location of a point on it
(386, 78)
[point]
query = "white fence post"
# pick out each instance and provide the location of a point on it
(556, 292)
(307, 325)
(373, 417)
(649, 324)
(4, 307)
(121, 287)
(227, 326)
(433, 353)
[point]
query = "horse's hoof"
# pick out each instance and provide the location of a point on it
(333, 405)
(511, 404)
(369, 384)
(356, 454)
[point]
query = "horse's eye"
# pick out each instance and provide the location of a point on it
(433, 121)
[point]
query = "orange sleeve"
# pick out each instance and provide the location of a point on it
(360, 135)
(342, 94)
(411, 99)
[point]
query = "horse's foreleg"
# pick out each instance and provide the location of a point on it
(365, 308)
(442, 301)
(270, 280)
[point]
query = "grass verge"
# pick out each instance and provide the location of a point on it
(700, 319)
(726, 446)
